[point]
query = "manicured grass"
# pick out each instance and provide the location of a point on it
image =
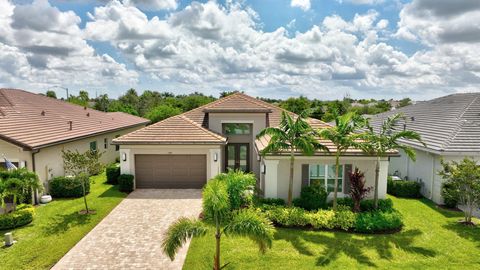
(57, 227)
(431, 239)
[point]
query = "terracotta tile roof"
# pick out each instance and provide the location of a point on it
(174, 130)
(236, 103)
(35, 121)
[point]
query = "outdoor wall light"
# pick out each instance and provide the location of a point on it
(124, 156)
(215, 157)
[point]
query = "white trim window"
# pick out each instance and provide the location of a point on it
(324, 175)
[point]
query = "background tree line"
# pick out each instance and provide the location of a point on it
(157, 106)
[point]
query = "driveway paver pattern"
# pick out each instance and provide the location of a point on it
(130, 236)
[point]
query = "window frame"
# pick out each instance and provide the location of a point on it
(224, 129)
(96, 146)
(105, 143)
(326, 176)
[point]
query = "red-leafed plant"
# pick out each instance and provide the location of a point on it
(358, 191)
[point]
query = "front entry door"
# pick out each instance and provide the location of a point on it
(237, 157)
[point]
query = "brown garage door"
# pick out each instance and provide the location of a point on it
(170, 171)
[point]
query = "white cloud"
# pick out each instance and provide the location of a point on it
(303, 4)
(153, 5)
(363, 2)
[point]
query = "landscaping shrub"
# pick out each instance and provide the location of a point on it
(404, 188)
(344, 218)
(449, 197)
(67, 187)
(125, 182)
(378, 221)
(239, 186)
(21, 217)
(287, 217)
(113, 172)
(270, 201)
(322, 219)
(385, 205)
(312, 198)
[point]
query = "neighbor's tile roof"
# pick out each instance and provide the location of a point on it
(35, 121)
(447, 124)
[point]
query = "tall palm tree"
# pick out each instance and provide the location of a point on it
(343, 135)
(387, 140)
(216, 209)
(292, 135)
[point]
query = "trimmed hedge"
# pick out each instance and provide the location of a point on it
(270, 201)
(125, 182)
(404, 188)
(384, 205)
(312, 198)
(378, 221)
(67, 187)
(112, 172)
(23, 216)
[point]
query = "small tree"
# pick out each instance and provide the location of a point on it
(464, 180)
(80, 165)
(216, 208)
(358, 191)
(292, 136)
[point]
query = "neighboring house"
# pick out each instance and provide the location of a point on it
(450, 127)
(34, 129)
(184, 151)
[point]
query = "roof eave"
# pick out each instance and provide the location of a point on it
(166, 143)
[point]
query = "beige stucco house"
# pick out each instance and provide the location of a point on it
(185, 151)
(34, 129)
(450, 128)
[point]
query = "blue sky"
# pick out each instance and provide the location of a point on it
(275, 48)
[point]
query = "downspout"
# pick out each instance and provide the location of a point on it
(433, 177)
(34, 194)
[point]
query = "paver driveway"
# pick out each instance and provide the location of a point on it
(130, 236)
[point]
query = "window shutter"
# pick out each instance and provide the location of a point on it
(346, 173)
(305, 174)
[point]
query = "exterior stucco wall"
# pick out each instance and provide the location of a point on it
(258, 121)
(49, 161)
(213, 167)
(275, 180)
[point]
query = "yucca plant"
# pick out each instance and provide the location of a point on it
(216, 210)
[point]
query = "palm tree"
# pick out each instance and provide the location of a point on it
(343, 136)
(292, 135)
(216, 209)
(380, 143)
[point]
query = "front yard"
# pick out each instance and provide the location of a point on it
(57, 227)
(431, 239)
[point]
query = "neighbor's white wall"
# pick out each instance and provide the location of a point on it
(15, 153)
(213, 167)
(277, 175)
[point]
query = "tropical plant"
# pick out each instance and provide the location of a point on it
(343, 137)
(292, 136)
(386, 139)
(358, 191)
(464, 180)
(216, 208)
(17, 184)
(240, 186)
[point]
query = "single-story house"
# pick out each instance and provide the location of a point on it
(184, 151)
(450, 128)
(34, 129)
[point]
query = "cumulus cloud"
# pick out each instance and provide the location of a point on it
(303, 4)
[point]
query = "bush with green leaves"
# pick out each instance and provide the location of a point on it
(270, 201)
(113, 172)
(322, 219)
(240, 187)
(344, 218)
(450, 197)
(404, 188)
(312, 197)
(125, 182)
(67, 187)
(17, 186)
(378, 221)
(368, 205)
(22, 216)
(287, 216)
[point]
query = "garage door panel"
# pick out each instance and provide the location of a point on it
(170, 171)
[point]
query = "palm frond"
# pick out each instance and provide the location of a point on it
(248, 223)
(179, 232)
(216, 203)
(409, 151)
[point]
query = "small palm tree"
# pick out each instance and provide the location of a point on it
(386, 140)
(343, 136)
(216, 209)
(292, 135)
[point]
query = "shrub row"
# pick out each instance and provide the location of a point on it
(270, 201)
(404, 188)
(113, 172)
(312, 198)
(384, 205)
(342, 219)
(67, 187)
(22, 216)
(125, 182)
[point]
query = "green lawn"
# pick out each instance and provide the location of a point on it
(57, 227)
(431, 239)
